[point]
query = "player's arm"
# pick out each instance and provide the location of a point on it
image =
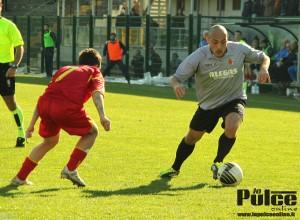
(256, 56)
(19, 51)
(264, 76)
(99, 104)
(187, 68)
(179, 90)
(30, 128)
(123, 48)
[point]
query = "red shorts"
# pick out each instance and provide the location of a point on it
(56, 115)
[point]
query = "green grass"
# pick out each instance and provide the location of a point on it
(121, 170)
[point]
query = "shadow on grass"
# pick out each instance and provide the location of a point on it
(47, 192)
(13, 191)
(154, 187)
(10, 191)
(218, 186)
(8, 148)
(265, 101)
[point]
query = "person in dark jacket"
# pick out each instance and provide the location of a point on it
(137, 63)
(155, 62)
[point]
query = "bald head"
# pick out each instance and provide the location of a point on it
(217, 29)
(217, 39)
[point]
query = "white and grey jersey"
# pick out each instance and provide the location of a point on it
(218, 80)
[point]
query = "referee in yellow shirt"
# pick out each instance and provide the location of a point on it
(11, 53)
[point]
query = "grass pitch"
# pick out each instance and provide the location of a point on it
(121, 169)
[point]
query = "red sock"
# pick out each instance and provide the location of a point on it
(27, 167)
(76, 158)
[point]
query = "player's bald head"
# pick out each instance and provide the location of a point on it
(217, 39)
(217, 29)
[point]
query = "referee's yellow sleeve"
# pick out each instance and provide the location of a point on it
(15, 36)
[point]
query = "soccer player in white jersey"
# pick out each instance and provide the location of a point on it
(219, 74)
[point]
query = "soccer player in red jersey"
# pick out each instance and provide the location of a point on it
(61, 107)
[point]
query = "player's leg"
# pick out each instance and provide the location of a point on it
(42, 149)
(79, 153)
(82, 147)
(7, 91)
(203, 121)
(80, 124)
(233, 114)
(32, 160)
(17, 113)
(184, 150)
(227, 139)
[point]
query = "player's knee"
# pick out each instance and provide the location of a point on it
(51, 142)
(11, 105)
(94, 130)
(192, 138)
(231, 131)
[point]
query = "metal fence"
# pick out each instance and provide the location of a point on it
(167, 35)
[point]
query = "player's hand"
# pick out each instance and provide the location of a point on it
(29, 132)
(179, 91)
(105, 122)
(11, 72)
(264, 76)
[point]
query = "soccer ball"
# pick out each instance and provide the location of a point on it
(230, 174)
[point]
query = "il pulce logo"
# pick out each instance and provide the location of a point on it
(266, 197)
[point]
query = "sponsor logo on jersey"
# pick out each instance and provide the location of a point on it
(223, 74)
(210, 65)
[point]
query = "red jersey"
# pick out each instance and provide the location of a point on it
(75, 84)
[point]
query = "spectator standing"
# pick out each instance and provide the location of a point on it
(175, 62)
(49, 43)
(137, 63)
(155, 62)
(114, 50)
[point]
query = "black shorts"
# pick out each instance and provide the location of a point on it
(206, 120)
(7, 84)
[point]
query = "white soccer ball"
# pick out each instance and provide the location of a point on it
(230, 174)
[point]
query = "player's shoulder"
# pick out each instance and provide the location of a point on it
(7, 22)
(202, 52)
(90, 69)
(237, 45)
(62, 69)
